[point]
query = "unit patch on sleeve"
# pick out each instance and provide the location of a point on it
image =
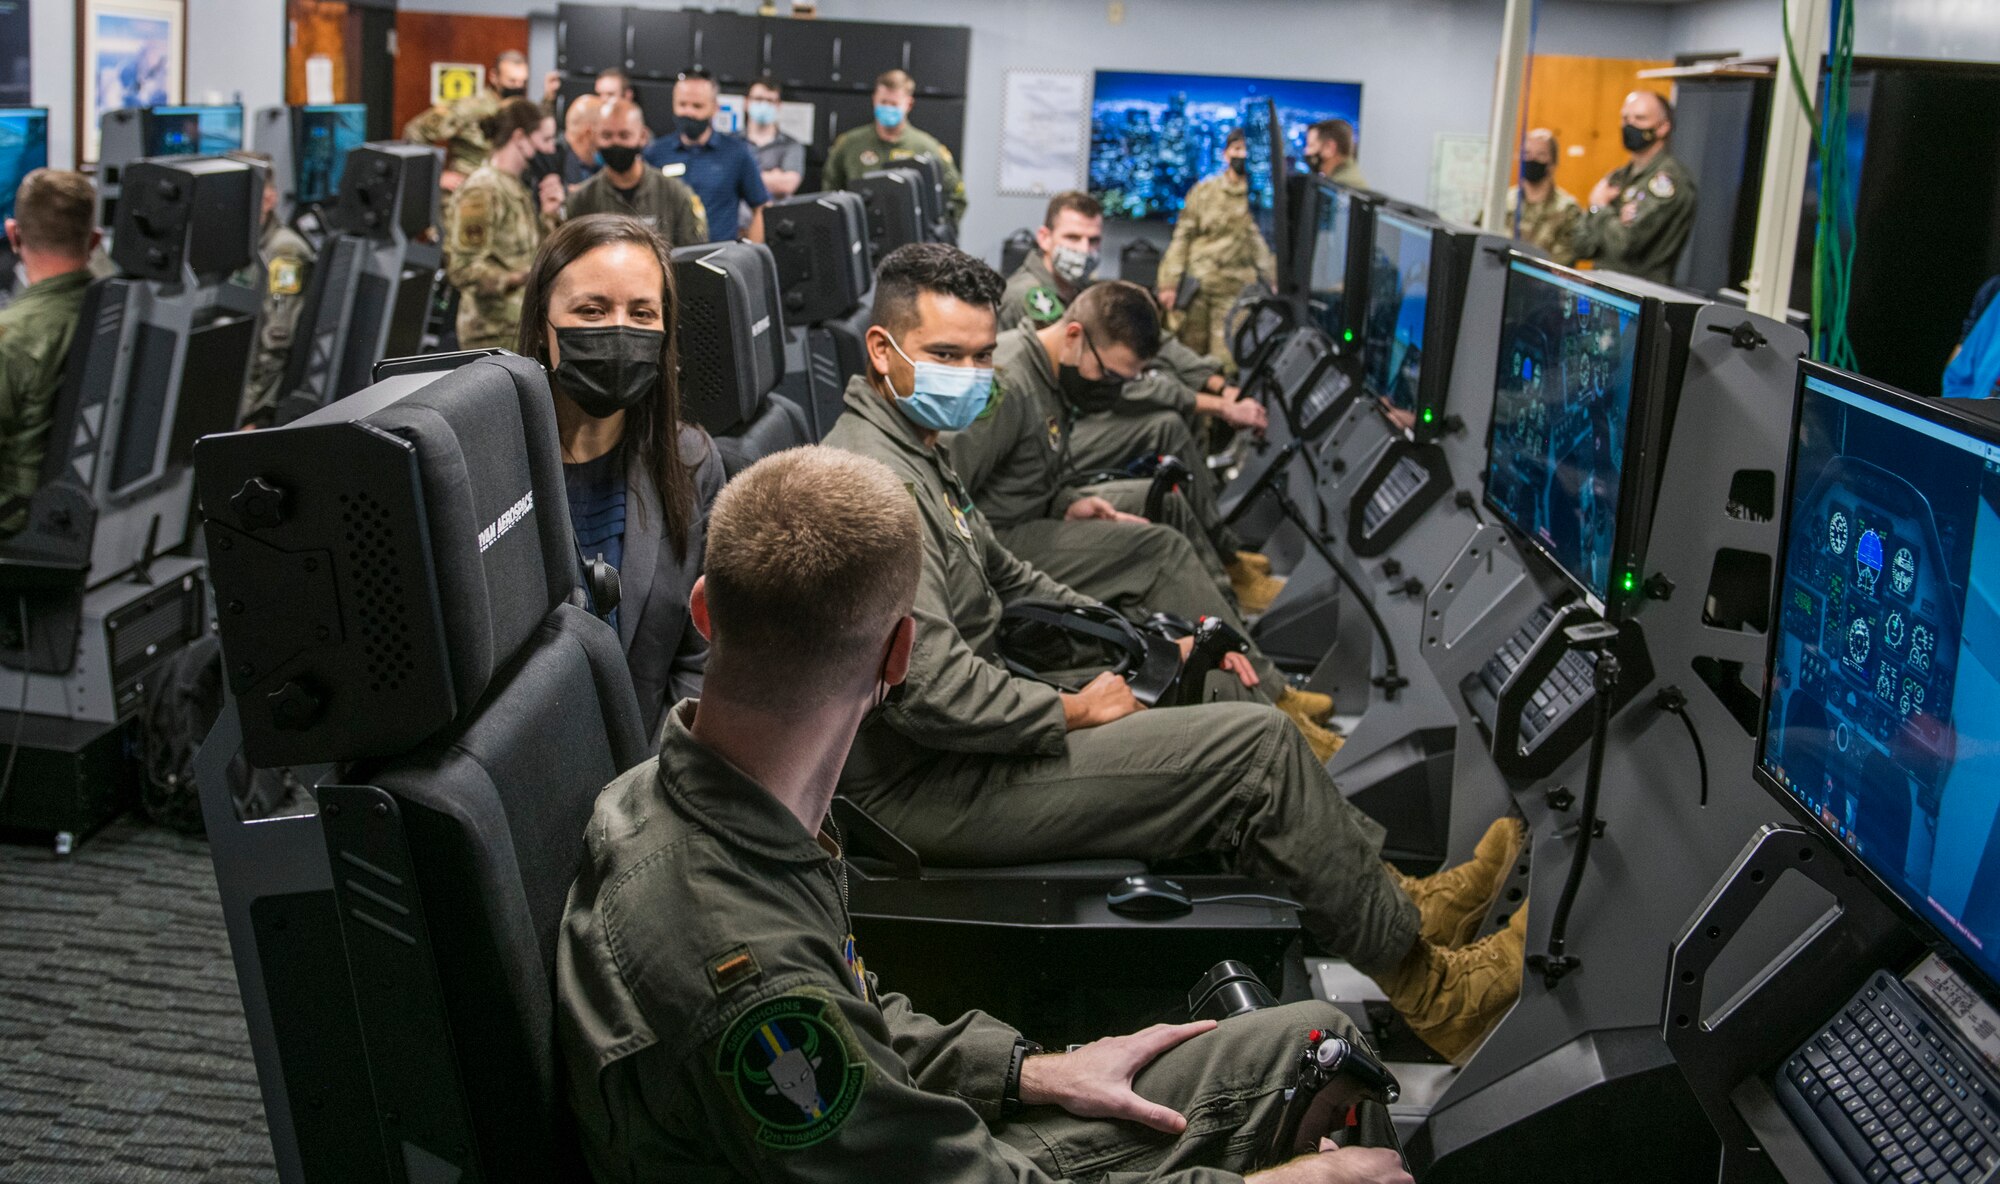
(795, 1069)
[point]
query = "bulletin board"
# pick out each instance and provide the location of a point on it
(1044, 132)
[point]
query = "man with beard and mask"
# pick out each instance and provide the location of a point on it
(1217, 242)
(457, 126)
(973, 765)
(628, 185)
(1155, 413)
(721, 169)
(1330, 153)
(1539, 211)
(1641, 213)
(1014, 461)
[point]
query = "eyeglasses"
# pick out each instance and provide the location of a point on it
(1110, 375)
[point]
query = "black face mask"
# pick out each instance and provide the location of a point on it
(690, 128)
(1637, 139)
(1087, 395)
(1240, 165)
(618, 157)
(513, 92)
(608, 370)
(1534, 171)
(1314, 160)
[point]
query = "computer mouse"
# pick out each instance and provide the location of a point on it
(1148, 896)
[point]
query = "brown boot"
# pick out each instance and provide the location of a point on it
(1307, 704)
(1253, 591)
(1255, 562)
(1454, 902)
(1453, 998)
(1324, 743)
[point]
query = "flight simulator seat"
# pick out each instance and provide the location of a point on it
(820, 244)
(732, 352)
(395, 573)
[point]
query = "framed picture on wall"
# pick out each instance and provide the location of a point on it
(130, 53)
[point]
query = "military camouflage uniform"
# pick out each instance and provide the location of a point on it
(716, 1023)
(495, 231)
(973, 766)
(662, 202)
(862, 150)
(1217, 241)
(286, 259)
(1014, 461)
(35, 332)
(459, 128)
(1641, 233)
(1550, 224)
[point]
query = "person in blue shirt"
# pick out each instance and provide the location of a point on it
(1974, 370)
(721, 169)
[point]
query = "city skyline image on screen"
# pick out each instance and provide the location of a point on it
(1153, 136)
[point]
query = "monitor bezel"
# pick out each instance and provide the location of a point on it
(148, 128)
(1645, 429)
(1443, 298)
(1936, 411)
(30, 110)
(298, 133)
(1361, 207)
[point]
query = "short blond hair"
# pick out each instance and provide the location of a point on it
(813, 556)
(896, 80)
(55, 210)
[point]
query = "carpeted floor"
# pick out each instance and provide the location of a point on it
(122, 1050)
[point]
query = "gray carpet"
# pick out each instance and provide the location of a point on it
(122, 1050)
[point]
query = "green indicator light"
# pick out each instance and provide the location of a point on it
(1348, 335)
(1428, 414)
(1631, 581)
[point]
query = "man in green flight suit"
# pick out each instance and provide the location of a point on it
(628, 185)
(458, 126)
(286, 259)
(53, 232)
(713, 1013)
(973, 765)
(1640, 214)
(1216, 241)
(891, 137)
(1330, 153)
(1154, 413)
(1015, 465)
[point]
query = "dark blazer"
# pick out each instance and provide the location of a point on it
(663, 649)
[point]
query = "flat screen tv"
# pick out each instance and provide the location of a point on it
(1152, 136)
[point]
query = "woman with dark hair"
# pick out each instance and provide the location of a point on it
(496, 224)
(598, 310)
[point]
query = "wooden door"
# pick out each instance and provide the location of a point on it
(1579, 99)
(320, 28)
(426, 37)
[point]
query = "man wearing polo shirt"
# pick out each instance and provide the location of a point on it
(722, 170)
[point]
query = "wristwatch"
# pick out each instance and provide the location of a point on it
(1010, 1092)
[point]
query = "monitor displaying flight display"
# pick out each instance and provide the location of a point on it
(325, 135)
(1392, 335)
(1882, 710)
(24, 147)
(1326, 280)
(1152, 136)
(193, 131)
(1562, 409)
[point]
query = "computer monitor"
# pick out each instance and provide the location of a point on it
(24, 147)
(193, 131)
(1333, 224)
(322, 136)
(1579, 400)
(1881, 718)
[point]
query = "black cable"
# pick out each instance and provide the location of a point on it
(1391, 679)
(21, 715)
(1277, 900)
(1674, 702)
(1556, 963)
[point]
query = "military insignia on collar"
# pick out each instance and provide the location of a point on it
(870, 157)
(795, 1068)
(1661, 185)
(1043, 304)
(958, 518)
(1055, 434)
(285, 278)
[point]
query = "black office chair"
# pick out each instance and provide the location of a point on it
(396, 951)
(731, 333)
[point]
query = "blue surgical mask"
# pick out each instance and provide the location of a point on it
(763, 113)
(888, 116)
(944, 398)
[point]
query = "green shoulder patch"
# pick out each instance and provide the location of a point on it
(1661, 185)
(1043, 304)
(794, 1067)
(995, 396)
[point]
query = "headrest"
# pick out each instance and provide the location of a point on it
(199, 213)
(731, 332)
(895, 209)
(820, 244)
(385, 188)
(376, 562)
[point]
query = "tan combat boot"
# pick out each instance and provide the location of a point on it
(1452, 998)
(1255, 561)
(1310, 704)
(1324, 743)
(1454, 902)
(1254, 590)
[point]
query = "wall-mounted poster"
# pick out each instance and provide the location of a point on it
(130, 53)
(14, 53)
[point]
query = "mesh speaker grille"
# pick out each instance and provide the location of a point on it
(374, 563)
(703, 335)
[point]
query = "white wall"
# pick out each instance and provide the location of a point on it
(1962, 30)
(235, 50)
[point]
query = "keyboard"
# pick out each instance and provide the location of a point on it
(1395, 491)
(1567, 689)
(1884, 1092)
